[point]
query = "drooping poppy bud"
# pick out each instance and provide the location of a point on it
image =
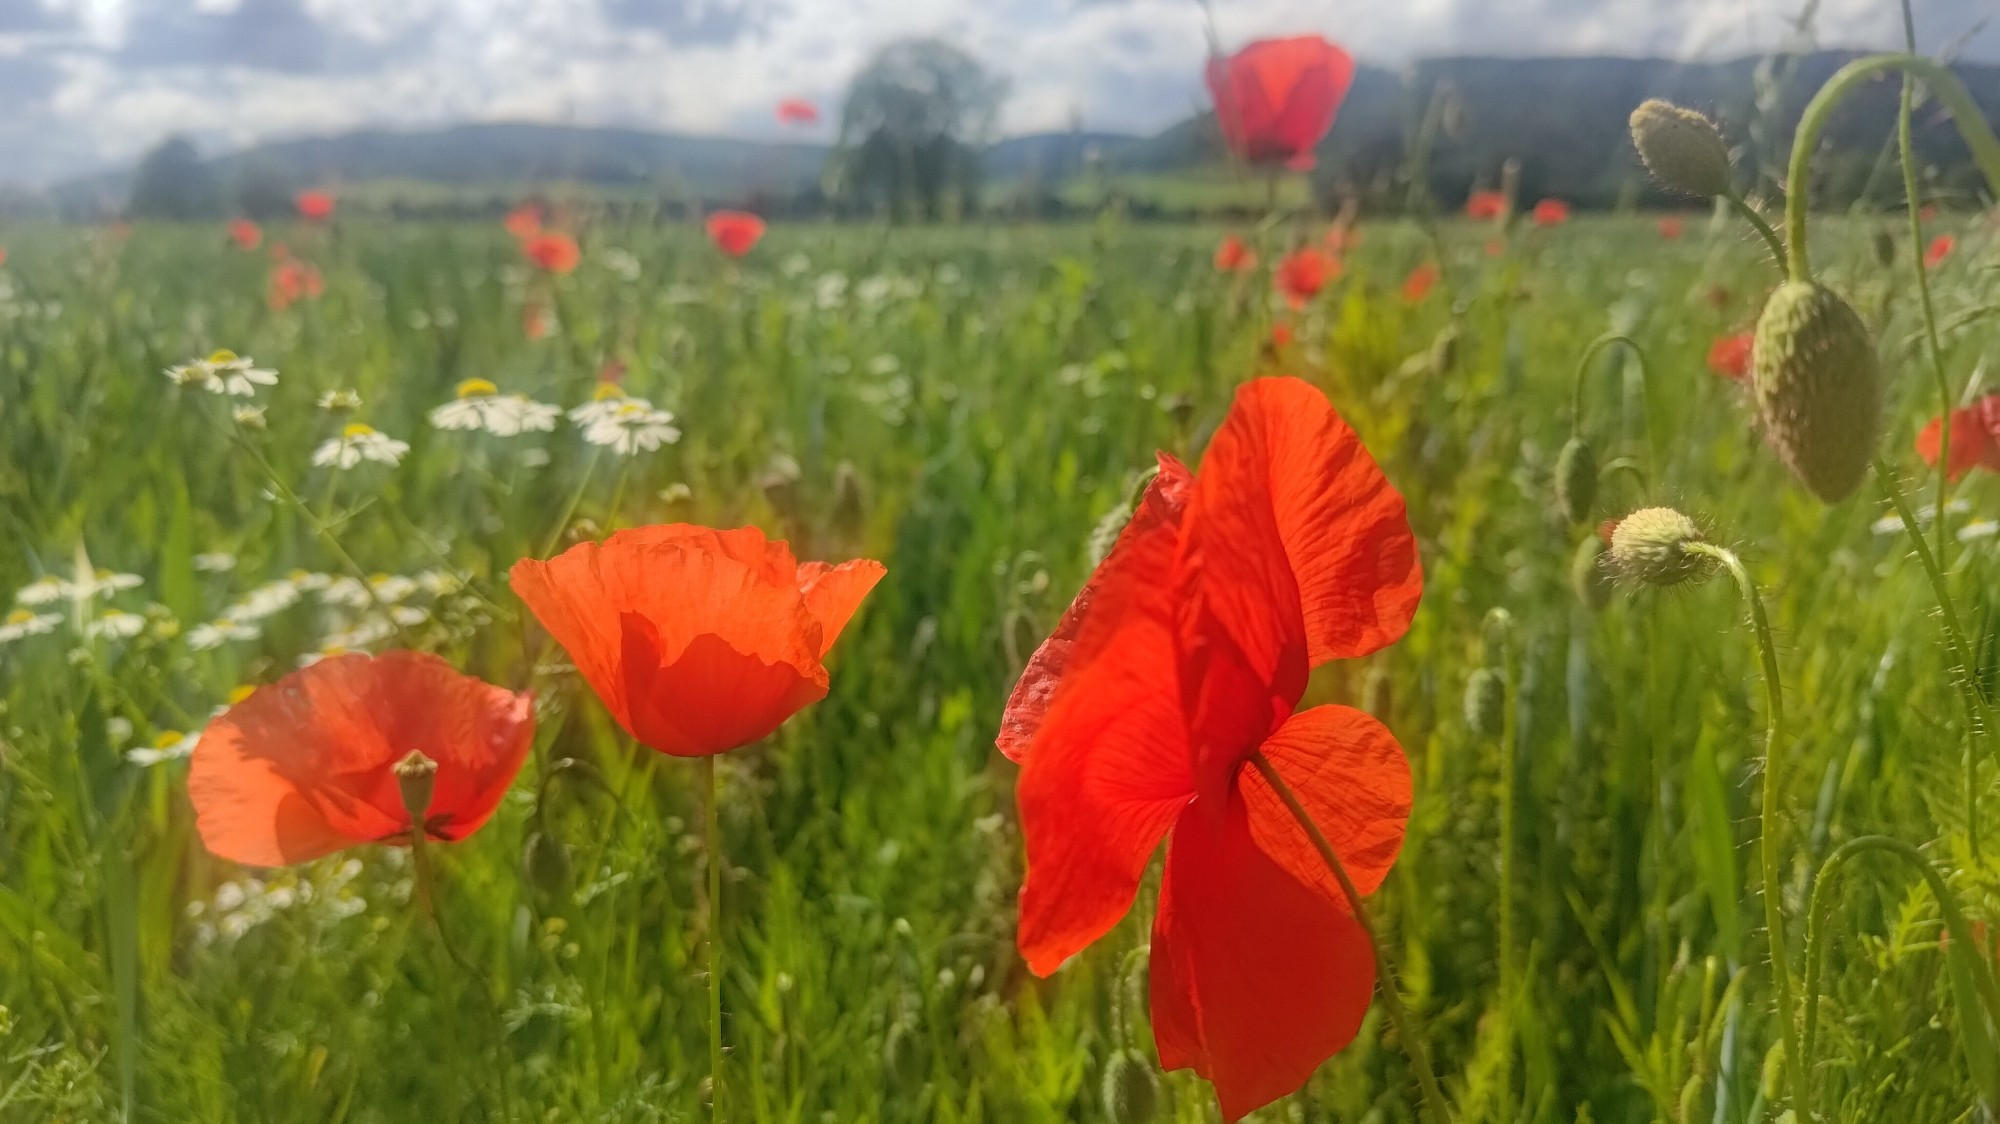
(1131, 1089)
(1276, 98)
(1682, 148)
(1650, 547)
(545, 865)
(1576, 480)
(1486, 701)
(1818, 387)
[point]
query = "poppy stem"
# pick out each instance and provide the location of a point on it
(1756, 218)
(1407, 1028)
(713, 831)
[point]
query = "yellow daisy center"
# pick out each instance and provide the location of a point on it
(358, 429)
(607, 390)
(167, 739)
(20, 616)
(223, 356)
(240, 692)
(476, 388)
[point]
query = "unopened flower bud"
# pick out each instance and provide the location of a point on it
(546, 866)
(1576, 480)
(1650, 546)
(1818, 387)
(416, 777)
(1885, 249)
(1683, 149)
(1587, 576)
(1131, 1089)
(1486, 701)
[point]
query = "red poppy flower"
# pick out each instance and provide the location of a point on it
(1485, 206)
(1276, 98)
(1671, 228)
(3, 255)
(293, 279)
(524, 221)
(1729, 356)
(1281, 335)
(798, 111)
(735, 232)
(1304, 272)
(1939, 249)
(315, 205)
(536, 322)
(1550, 212)
(245, 234)
(552, 252)
(1975, 438)
(1418, 284)
(305, 766)
(1183, 658)
(1233, 256)
(697, 640)
(1341, 239)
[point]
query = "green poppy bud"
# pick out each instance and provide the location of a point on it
(1576, 480)
(1650, 547)
(1818, 385)
(1486, 702)
(1131, 1089)
(1587, 574)
(1683, 149)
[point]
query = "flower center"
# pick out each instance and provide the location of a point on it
(476, 388)
(358, 429)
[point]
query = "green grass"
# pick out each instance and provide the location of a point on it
(966, 407)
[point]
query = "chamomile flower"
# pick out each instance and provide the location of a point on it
(480, 406)
(42, 591)
(220, 631)
(115, 625)
(198, 373)
(359, 443)
(23, 623)
(633, 427)
(309, 581)
(265, 600)
(219, 562)
(249, 417)
(605, 401)
(170, 745)
(340, 401)
(238, 375)
(102, 583)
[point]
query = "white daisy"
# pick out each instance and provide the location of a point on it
(220, 562)
(41, 591)
(266, 599)
(480, 406)
(218, 632)
(359, 443)
(605, 401)
(391, 588)
(103, 583)
(21, 622)
(345, 591)
(115, 625)
(340, 401)
(195, 373)
(438, 583)
(170, 745)
(249, 417)
(306, 581)
(239, 375)
(633, 427)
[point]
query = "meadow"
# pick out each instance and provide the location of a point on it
(974, 407)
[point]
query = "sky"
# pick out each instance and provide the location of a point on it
(89, 84)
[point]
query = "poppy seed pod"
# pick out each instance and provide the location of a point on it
(1818, 387)
(1587, 576)
(1576, 480)
(1650, 546)
(1486, 701)
(1131, 1089)
(1683, 149)
(416, 779)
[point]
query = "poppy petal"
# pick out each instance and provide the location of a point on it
(1150, 534)
(833, 593)
(246, 811)
(1351, 776)
(709, 697)
(478, 734)
(1256, 977)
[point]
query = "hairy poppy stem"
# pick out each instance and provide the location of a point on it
(1756, 218)
(1407, 1028)
(713, 832)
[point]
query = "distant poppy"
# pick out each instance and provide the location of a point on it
(1495, 247)
(1485, 206)
(1341, 239)
(536, 321)
(1550, 212)
(1276, 98)
(1671, 228)
(698, 641)
(1304, 272)
(315, 205)
(292, 280)
(1729, 356)
(1233, 256)
(1927, 212)
(1180, 661)
(798, 111)
(552, 252)
(305, 767)
(3, 255)
(524, 221)
(1281, 335)
(1975, 438)
(245, 234)
(735, 232)
(1418, 284)
(1939, 249)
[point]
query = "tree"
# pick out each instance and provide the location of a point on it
(915, 120)
(172, 182)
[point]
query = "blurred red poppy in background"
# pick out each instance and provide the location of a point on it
(1671, 228)
(1485, 206)
(1166, 687)
(1233, 256)
(698, 641)
(552, 251)
(315, 205)
(1281, 335)
(1729, 356)
(735, 232)
(306, 766)
(1939, 249)
(1304, 272)
(536, 321)
(1341, 239)
(1418, 284)
(245, 234)
(798, 111)
(1276, 98)
(524, 221)
(292, 280)
(1550, 212)
(1975, 438)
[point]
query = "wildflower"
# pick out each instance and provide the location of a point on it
(552, 252)
(195, 373)
(1177, 667)
(735, 232)
(698, 641)
(359, 443)
(266, 600)
(306, 766)
(1276, 98)
(1729, 356)
(1485, 206)
(1939, 249)
(292, 280)
(25, 622)
(1304, 272)
(1419, 283)
(1233, 256)
(1550, 212)
(315, 206)
(1281, 335)
(245, 234)
(524, 222)
(168, 745)
(340, 401)
(220, 631)
(798, 111)
(480, 406)
(100, 583)
(1341, 238)
(218, 562)
(1975, 438)
(633, 426)
(42, 591)
(115, 625)
(1671, 227)
(537, 322)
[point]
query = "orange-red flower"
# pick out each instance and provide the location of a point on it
(1233, 256)
(1672, 227)
(536, 321)
(245, 234)
(735, 232)
(524, 221)
(1419, 283)
(1281, 335)
(1304, 272)
(1339, 239)
(1939, 249)
(1975, 438)
(1550, 212)
(293, 279)
(1276, 98)
(1182, 659)
(798, 111)
(305, 767)
(552, 251)
(315, 205)
(1485, 206)
(3, 255)
(697, 640)
(1729, 356)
